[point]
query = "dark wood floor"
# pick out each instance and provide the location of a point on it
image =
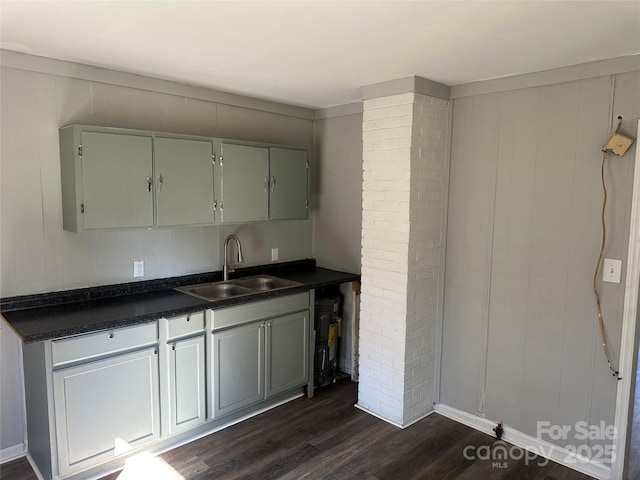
(328, 438)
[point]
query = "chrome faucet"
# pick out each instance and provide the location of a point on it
(225, 266)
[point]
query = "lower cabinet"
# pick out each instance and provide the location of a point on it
(287, 351)
(94, 397)
(238, 368)
(187, 383)
(257, 361)
(106, 407)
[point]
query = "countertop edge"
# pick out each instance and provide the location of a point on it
(342, 277)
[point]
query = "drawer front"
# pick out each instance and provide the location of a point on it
(228, 317)
(93, 345)
(185, 324)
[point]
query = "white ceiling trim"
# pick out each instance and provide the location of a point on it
(601, 68)
(339, 111)
(34, 63)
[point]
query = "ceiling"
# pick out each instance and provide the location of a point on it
(319, 53)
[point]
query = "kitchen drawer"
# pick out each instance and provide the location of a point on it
(249, 312)
(92, 345)
(185, 324)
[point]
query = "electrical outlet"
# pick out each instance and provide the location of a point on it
(274, 254)
(611, 270)
(138, 268)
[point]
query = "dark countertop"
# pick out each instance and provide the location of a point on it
(61, 314)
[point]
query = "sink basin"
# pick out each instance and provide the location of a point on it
(218, 291)
(264, 283)
(237, 287)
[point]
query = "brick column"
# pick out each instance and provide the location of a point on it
(404, 148)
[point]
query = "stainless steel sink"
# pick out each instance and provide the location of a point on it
(237, 287)
(217, 291)
(264, 283)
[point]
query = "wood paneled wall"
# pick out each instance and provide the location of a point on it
(520, 334)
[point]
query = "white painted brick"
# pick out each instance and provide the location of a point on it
(388, 101)
(403, 164)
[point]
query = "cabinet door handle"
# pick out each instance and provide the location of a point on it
(160, 181)
(173, 347)
(269, 324)
(272, 183)
(149, 183)
(266, 184)
(155, 352)
(110, 336)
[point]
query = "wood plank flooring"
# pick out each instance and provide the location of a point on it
(327, 437)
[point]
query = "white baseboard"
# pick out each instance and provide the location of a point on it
(543, 448)
(366, 410)
(12, 453)
(395, 424)
(36, 470)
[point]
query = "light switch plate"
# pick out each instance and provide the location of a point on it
(274, 254)
(138, 268)
(611, 270)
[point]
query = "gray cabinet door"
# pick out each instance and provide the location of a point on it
(183, 181)
(238, 368)
(289, 184)
(245, 178)
(287, 341)
(187, 383)
(105, 408)
(116, 180)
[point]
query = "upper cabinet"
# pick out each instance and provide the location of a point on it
(120, 178)
(106, 179)
(116, 178)
(288, 184)
(245, 183)
(184, 181)
(263, 183)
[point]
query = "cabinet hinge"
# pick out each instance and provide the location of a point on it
(80, 151)
(82, 208)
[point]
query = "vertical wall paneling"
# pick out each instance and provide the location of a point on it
(8, 284)
(544, 354)
(24, 156)
(454, 269)
(468, 249)
(507, 336)
(552, 209)
(50, 180)
(338, 201)
(38, 256)
(580, 322)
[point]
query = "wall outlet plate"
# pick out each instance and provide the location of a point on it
(138, 268)
(611, 270)
(274, 254)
